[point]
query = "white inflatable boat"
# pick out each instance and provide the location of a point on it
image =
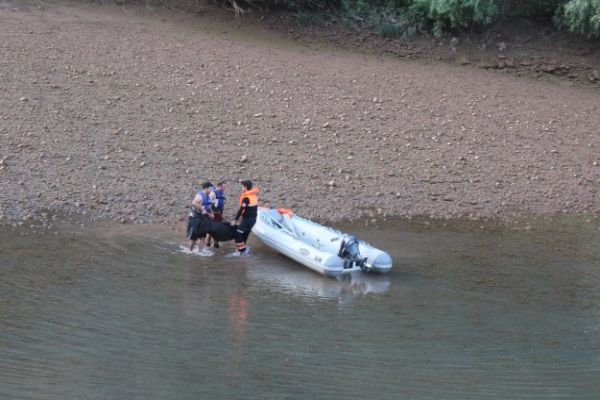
(322, 249)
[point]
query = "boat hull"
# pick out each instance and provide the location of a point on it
(312, 245)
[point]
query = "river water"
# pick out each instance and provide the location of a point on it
(117, 312)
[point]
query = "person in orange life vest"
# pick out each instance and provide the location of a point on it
(218, 199)
(248, 211)
(200, 211)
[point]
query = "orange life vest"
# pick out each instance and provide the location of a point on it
(285, 211)
(252, 195)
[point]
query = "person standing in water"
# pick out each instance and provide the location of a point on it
(218, 199)
(201, 210)
(247, 212)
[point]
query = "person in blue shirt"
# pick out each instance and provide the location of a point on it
(218, 199)
(201, 211)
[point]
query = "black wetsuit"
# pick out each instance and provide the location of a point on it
(248, 214)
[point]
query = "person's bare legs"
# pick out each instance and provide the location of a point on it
(202, 243)
(192, 243)
(206, 251)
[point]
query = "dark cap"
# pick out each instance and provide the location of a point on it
(206, 185)
(247, 183)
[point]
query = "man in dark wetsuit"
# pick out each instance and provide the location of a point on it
(248, 211)
(200, 213)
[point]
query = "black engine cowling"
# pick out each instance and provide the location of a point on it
(350, 253)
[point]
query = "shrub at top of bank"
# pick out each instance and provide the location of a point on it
(439, 16)
(445, 15)
(536, 9)
(580, 16)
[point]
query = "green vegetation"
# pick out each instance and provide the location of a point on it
(389, 30)
(580, 16)
(537, 9)
(444, 15)
(309, 19)
(404, 18)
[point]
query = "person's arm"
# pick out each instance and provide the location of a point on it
(212, 197)
(197, 203)
(242, 210)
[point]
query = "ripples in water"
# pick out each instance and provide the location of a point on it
(120, 312)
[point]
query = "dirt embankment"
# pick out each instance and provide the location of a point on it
(516, 47)
(121, 114)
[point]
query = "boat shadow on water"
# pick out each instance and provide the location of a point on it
(299, 282)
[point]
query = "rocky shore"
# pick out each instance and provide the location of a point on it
(121, 115)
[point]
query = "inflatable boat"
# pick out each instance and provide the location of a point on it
(320, 248)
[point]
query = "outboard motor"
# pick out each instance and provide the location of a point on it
(350, 253)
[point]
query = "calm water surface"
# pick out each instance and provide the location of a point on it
(115, 312)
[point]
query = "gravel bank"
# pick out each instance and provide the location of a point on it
(121, 116)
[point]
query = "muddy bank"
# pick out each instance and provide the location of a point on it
(518, 47)
(120, 115)
(523, 47)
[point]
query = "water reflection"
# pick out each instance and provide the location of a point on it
(215, 293)
(300, 282)
(238, 314)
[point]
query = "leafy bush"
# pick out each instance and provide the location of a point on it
(529, 9)
(309, 19)
(454, 14)
(402, 26)
(580, 16)
(296, 5)
(389, 30)
(363, 7)
(357, 7)
(403, 18)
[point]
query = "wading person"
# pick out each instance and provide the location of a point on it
(201, 211)
(247, 211)
(218, 199)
